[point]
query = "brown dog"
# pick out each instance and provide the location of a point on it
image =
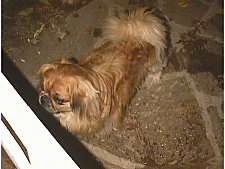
(84, 96)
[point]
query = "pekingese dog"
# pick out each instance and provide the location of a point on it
(89, 95)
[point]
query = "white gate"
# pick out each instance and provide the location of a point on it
(43, 150)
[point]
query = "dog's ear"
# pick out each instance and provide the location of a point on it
(77, 104)
(86, 107)
(44, 68)
(85, 101)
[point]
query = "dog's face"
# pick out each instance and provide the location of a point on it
(67, 92)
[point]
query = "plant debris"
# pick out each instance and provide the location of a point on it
(36, 35)
(26, 12)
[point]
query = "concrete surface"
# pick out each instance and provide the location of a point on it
(175, 123)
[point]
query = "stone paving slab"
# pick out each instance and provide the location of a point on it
(173, 120)
(184, 15)
(177, 123)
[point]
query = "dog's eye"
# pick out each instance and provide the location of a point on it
(59, 100)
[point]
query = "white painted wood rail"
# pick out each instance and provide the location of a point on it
(43, 150)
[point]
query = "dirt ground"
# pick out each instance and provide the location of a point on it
(163, 127)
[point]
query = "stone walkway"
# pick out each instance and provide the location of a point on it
(196, 66)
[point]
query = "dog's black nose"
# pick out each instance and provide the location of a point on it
(44, 100)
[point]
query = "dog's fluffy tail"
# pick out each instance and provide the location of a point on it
(139, 25)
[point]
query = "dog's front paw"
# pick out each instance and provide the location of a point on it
(109, 127)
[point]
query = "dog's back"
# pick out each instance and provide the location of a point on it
(134, 42)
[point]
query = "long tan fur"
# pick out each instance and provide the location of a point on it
(139, 25)
(103, 82)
